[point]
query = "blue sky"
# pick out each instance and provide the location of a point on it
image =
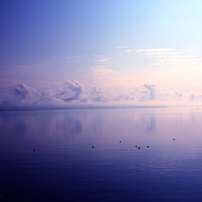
(109, 52)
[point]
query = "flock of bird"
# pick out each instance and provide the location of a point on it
(135, 145)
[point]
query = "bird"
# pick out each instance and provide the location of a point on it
(135, 145)
(147, 146)
(138, 147)
(33, 149)
(119, 141)
(93, 147)
(173, 139)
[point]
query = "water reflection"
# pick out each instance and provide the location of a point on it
(20, 129)
(41, 125)
(65, 163)
(73, 127)
(152, 125)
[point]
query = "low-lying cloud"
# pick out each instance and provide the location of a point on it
(74, 93)
(97, 95)
(151, 89)
(77, 88)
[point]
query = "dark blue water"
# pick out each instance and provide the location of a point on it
(65, 167)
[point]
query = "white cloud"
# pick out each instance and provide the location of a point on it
(103, 71)
(176, 56)
(121, 47)
(152, 50)
(104, 61)
(168, 57)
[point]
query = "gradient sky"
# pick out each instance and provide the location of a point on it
(104, 52)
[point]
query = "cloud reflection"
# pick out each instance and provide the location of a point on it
(20, 130)
(152, 126)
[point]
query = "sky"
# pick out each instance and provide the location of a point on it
(100, 53)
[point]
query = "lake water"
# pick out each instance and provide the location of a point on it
(65, 167)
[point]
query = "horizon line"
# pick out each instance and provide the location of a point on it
(38, 108)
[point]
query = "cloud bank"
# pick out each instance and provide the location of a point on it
(74, 93)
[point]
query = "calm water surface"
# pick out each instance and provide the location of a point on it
(65, 167)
